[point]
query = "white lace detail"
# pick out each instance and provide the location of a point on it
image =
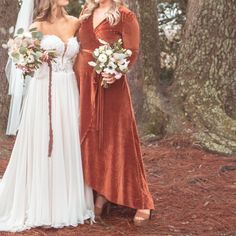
(65, 66)
(66, 52)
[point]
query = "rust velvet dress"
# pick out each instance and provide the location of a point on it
(110, 145)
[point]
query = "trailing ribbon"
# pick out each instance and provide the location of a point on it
(98, 102)
(100, 110)
(50, 144)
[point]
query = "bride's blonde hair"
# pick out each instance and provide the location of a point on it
(44, 10)
(113, 15)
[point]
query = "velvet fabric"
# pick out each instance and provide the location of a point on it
(111, 153)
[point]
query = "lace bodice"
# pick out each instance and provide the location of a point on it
(66, 52)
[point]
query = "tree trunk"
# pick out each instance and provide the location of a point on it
(144, 78)
(205, 85)
(8, 14)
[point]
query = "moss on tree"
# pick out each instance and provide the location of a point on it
(205, 85)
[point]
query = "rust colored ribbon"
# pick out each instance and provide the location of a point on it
(50, 144)
(100, 110)
(98, 102)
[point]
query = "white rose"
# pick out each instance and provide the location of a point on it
(103, 58)
(109, 52)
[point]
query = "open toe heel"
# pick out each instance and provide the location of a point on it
(141, 218)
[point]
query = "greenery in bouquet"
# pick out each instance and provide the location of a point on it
(25, 51)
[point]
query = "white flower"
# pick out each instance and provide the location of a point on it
(5, 46)
(129, 52)
(112, 65)
(92, 63)
(17, 42)
(119, 56)
(103, 58)
(109, 70)
(109, 52)
(96, 52)
(123, 66)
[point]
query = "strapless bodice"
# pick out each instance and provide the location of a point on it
(65, 51)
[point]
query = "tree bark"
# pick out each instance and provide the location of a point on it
(205, 85)
(144, 78)
(8, 14)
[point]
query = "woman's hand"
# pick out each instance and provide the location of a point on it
(108, 78)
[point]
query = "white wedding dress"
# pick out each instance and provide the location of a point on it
(37, 190)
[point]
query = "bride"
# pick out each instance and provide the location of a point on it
(37, 190)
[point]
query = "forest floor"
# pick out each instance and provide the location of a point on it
(194, 192)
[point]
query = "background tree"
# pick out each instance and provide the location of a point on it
(8, 14)
(75, 7)
(205, 85)
(145, 76)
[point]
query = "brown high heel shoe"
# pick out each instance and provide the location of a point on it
(102, 209)
(141, 218)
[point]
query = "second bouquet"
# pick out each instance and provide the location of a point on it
(111, 59)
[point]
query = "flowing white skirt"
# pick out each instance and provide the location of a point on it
(36, 190)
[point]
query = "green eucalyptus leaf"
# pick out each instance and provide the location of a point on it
(33, 29)
(23, 50)
(37, 35)
(20, 31)
(15, 55)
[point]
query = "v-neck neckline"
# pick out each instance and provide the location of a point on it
(101, 22)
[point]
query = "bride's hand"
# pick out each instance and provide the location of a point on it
(108, 78)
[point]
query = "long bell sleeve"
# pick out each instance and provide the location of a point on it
(131, 35)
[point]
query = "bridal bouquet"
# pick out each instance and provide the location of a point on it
(111, 59)
(25, 51)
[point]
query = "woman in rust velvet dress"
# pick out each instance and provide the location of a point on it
(110, 145)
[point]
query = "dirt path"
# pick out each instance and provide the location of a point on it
(194, 192)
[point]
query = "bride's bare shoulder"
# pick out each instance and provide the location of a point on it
(74, 22)
(37, 25)
(72, 19)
